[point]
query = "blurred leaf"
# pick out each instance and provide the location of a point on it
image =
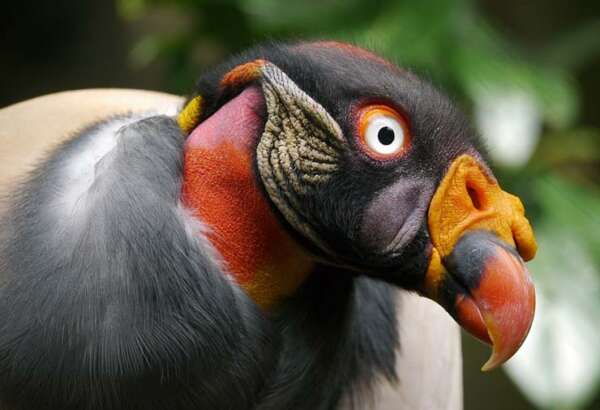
(557, 96)
(415, 34)
(573, 145)
(145, 51)
(572, 209)
(311, 16)
(131, 9)
(481, 70)
(574, 153)
(576, 48)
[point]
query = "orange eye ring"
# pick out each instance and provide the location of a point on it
(383, 132)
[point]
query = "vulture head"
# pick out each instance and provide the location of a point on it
(325, 153)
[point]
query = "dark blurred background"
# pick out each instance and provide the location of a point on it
(527, 72)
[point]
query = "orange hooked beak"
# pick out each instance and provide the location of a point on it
(480, 239)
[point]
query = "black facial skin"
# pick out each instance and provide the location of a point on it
(369, 203)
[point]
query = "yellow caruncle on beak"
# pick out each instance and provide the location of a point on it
(469, 199)
(475, 271)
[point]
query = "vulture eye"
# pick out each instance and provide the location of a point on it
(383, 132)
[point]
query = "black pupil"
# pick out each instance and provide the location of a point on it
(386, 135)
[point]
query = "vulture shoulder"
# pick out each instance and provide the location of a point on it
(330, 335)
(112, 296)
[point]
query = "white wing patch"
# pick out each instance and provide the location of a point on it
(81, 170)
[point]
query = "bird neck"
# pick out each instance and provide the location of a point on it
(221, 188)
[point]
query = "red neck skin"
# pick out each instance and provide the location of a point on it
(220, 187)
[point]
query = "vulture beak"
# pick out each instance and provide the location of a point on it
(480, 239)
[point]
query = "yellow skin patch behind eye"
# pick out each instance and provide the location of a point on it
(189, 116)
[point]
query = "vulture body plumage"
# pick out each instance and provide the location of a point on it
(244, 253)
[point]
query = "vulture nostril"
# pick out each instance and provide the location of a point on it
(475, 199)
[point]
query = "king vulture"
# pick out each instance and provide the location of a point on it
(244, 253)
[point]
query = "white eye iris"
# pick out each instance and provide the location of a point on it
(384, 135)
